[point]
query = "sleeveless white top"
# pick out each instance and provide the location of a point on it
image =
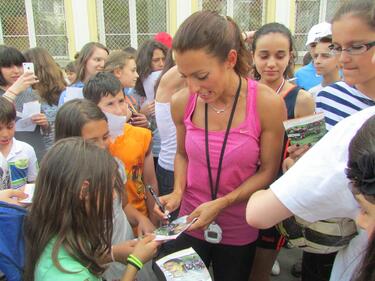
(167, 131)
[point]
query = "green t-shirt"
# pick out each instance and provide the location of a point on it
(45, 270)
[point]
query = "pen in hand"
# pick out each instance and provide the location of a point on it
(157, 201)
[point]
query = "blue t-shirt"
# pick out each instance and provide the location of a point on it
(307, 77)
(78, 84)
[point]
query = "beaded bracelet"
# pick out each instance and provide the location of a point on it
(134, 261)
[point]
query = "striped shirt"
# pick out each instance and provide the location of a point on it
(339, 100)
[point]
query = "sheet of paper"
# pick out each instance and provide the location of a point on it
(73, 93)
(29, 190)
(115, 124)
(172, 230)
(25, 124)
(30, 109)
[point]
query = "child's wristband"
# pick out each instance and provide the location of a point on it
(134, 261)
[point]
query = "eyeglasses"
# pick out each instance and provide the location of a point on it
(353, 50)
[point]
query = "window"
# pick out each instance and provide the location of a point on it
(248, 14)
(50, 29)
(309, 13)
(29, 23)
(13, 24)
(125, 23)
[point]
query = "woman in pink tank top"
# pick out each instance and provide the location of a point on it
(229, 142)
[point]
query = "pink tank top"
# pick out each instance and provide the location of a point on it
(240, 162)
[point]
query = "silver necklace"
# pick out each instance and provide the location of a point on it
(217, 110)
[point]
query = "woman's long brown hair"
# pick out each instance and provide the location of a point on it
(51, 78)
(80, 219)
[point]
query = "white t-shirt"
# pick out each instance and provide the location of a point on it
(316, 187)
(149, 85)
(167, 131)
(22, 166)
(122, 231)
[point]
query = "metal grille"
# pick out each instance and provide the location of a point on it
(116, 23)
(332, 6)
(124, 23)
(31, 23)
(13, 24)
(151, 18)
(50, 29)
(309, 13)
(248, 14)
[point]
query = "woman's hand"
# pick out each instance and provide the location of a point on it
(41, 120)
(23, 82)
(12, 196)
(206, 213)
(170, 202)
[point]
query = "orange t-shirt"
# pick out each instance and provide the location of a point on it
(131, 148)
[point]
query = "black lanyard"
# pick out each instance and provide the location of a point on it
(215, 191)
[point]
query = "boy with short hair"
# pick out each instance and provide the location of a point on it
(18, 162)
(326, 65)
(71, 72)
(133, 147)
(306, 75)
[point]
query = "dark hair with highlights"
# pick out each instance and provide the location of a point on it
(169, 63)
(275, 27)
(51, 78)
(361, 172)
(9, 56)
(361, 163)
(216, 34)
(144, 62)
(78, 219)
